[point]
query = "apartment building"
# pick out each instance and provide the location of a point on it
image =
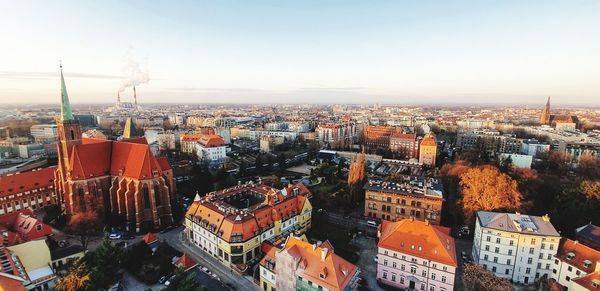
(211, 149)
(417, 255)
(405, 145)
(33, 189)
(299, 265)
(413, 196)
(231, 224)
(574, 260)
(428, 150)
(516, 246)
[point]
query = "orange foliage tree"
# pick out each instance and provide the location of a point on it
(356, 177)
(486, 188)
(589, 167)
(476, 278)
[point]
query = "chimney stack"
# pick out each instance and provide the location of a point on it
(323, 254)
(118, 97)
(135, 97)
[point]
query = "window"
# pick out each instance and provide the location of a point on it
(488, 238)
(497, 250)
(157, 194)
(485, 257)
(384, 275)
(394, 277)
(385, 262)
(533, 241)
(531, 250)
(443, 279)
(413, 270)
(529, 261)
(146, 196)
(528, 271)
(494, 269)
(432, 276)
(487, 248)
(424, 273)
(38, 227)
(394, 265)
(543, 246)
(511, 243)
(509, 252)
(498, 240)
(507, 271)
(495, 259)
(508, 261)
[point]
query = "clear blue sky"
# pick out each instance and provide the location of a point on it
(317, 51)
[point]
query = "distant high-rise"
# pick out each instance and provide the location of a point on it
(545, 116)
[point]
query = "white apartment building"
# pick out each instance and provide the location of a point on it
(211, 149)
(515, 246)
(44, 133)
(574, 260)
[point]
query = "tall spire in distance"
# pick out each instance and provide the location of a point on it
(66, 114)
(545, 116)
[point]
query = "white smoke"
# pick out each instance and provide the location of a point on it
(136, 72)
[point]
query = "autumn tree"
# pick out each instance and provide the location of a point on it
(589, 167)
(77, 279)
(84, 225)
(356, 177)
(477, 278)
(486, 188)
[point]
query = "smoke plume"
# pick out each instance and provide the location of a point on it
(136, 72)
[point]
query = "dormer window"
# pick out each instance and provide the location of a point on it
(587, 263)
(570, 255)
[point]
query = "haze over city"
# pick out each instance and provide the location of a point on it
(304, 52)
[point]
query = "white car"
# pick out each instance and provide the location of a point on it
(375, 259)
(371, 223)
(114, 236)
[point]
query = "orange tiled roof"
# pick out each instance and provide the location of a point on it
(404, 135)
(227, 222)
(192, 137)
(317, 260)
(429, 140)
(186, 262)
(435, 241)
(582, 254)
(20, 227)
(211, 140)
(590, 281)
(269, 256)
(26, 181)
(150, 238)
(11, 282)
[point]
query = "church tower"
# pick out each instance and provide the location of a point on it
(69, 134)
(545, 116)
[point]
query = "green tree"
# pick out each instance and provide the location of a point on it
(477, 278)
(107, 261)
(184, 281)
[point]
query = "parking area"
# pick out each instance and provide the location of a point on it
(366, 263)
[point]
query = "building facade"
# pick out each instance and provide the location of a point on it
(211, 149)
(574, 260)
(417, 197)
(405, 145)
(231, 224)
(33, 189)
(515, 246)
(428, 150)
(300, 265)
(415, 254)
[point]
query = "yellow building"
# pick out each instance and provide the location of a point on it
(231, 224)
(428, 150)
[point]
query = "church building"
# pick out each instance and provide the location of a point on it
(122, 178)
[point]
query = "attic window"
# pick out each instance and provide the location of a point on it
(596, 283)
(570, 255)
(587, 263)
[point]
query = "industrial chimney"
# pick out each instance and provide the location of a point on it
(135, 98)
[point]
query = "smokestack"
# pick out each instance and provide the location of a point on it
(134, 97)
(118, 97)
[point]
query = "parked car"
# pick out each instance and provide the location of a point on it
(371, 223)
(115, 236)
(375, 259)
(162, 280)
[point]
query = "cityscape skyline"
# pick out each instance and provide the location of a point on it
(268, 52)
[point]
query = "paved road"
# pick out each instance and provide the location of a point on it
(350, 222)
(174, 238)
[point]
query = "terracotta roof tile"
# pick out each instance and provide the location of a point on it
(26, 181)
(407, 236)
(577, 255)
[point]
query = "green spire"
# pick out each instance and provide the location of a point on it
(65, 107)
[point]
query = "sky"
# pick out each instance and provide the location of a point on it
(323, 51)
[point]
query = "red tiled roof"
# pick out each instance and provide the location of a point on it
(211, 140)
(319, 259)
(163, 162)
(192, 137)
(407, 236)
(404, 135)
(185, 262)
(150, 238)
(581, 252)
(429, 140)
(11, 282)
(590, 281)
(21, 227)
(26, 181)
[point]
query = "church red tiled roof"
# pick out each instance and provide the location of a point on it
(131, 158)
(26, 181)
